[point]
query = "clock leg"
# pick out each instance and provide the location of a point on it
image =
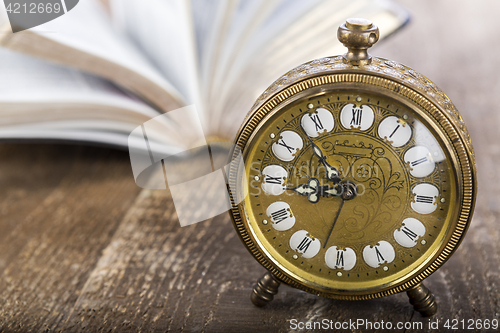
(264, 290)
(422, 300)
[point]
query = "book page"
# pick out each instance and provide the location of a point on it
(84, 38)
(287, 28)
(204, 14)
(164, 30)
(4, 21)
(247, 19)
(292, 36)
(284, 14)
(316, 31)
(37, 95)
(212, 20)
(60, 132)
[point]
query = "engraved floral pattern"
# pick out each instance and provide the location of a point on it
(380, 178)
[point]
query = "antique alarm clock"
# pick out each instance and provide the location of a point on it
(357, 178)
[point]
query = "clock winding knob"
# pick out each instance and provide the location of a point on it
(358, 35)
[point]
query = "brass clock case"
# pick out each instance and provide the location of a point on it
(375, 76)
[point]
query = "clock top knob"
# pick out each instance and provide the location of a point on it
(358, 35)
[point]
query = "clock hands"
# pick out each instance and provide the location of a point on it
(334, 222)
(332, 173)
(313, 190)
(349, 192)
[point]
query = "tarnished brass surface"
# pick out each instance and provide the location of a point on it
(332, 83)
(358, 35)
(264, 290)
(422, 300)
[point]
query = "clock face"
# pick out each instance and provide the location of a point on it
(349, 191)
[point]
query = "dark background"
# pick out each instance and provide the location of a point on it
(82, 248)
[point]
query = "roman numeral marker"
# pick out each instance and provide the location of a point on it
(317, 122)
(380, 258)
(340, 259)
(408, 232)
(279, 215)
(356, 117)
(424, 199)
(282, 143)
(304, 244)
(272, 180)
(419, 161)
(390, 136)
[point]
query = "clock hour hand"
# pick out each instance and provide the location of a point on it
(331, 172)
(313, 190)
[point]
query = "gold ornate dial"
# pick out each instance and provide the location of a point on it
(403, 180)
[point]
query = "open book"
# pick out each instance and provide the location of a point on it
(96, 73)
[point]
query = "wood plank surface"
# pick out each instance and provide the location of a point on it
(82, 248)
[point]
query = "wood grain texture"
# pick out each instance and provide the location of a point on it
(83, 249)
(59, 207)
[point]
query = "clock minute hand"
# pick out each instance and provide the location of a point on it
(331, 173)
(334, 221)
(349, 191)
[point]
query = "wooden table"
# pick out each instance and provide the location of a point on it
(82, 248)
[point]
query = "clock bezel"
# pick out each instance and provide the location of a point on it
(463, 163)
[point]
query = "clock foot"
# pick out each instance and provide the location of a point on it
(422, 300)
(264, 290)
